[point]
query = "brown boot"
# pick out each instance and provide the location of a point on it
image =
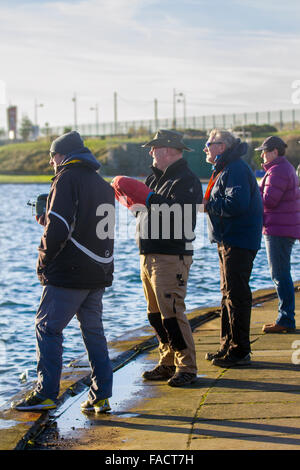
(159, 372)
(275, 328)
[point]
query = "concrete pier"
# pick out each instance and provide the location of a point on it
(255, 407)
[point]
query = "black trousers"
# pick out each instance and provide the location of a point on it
(235, 270)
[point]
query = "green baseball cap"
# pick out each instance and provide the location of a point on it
(167, 138)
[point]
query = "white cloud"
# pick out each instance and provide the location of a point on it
(270, 5)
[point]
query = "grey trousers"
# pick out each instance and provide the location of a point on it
(57, 307)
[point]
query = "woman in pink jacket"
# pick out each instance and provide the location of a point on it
(281, 227)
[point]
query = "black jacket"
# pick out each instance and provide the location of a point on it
(72, 253)
(168, 225)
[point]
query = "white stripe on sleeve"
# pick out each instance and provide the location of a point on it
(91, 254)
(61, 218)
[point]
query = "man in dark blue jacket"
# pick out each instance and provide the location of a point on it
(234, 208)
(75, 264)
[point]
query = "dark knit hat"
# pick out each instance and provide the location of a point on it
(67, 143)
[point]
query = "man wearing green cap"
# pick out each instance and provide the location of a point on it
(166, 258)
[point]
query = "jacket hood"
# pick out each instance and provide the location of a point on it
(234, 153)
(85, 156)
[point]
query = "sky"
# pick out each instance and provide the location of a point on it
(226, 56)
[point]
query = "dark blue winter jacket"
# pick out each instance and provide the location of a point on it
(235, 212)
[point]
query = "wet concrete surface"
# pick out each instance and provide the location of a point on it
(126, 392)
(129, 390)
(242, 408)
(207, 415)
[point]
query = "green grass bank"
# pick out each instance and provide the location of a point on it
(28, 162)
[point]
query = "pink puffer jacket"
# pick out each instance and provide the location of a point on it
(281, 199)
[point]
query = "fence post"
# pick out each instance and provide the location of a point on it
(214, 121)
(293, 119)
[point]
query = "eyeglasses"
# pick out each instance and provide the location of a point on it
(208, 144)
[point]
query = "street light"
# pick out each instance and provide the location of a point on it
(74, 99)
(155, 115)
(95, 108)
(36, 106)
(180, 99)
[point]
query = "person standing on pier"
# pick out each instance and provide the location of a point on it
(233, 204)
(281, 199)
(170, 198)
(74, 266)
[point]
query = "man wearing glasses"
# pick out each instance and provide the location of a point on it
(233, 204)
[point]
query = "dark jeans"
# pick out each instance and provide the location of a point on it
(235, 270)
(57, 307)
(279, 251)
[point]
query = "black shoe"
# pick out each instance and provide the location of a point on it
(210, 356)
(180, 379)
(230, 361)
(159, 372)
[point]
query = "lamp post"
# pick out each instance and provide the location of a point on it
(155, 115)
(36, 106)
(95, 108)
(115, 113)
(74, 99)
(179, 98)
(36, 130)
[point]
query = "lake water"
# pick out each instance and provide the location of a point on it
(124, 303)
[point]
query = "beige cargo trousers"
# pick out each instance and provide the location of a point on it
(164, 280)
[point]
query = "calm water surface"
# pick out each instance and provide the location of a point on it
(124, 303)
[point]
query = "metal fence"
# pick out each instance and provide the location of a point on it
(281, 119)
(289, 119)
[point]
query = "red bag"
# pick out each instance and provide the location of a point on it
(129, 191)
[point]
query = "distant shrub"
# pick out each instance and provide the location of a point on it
(195, 133)
(256, 129)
